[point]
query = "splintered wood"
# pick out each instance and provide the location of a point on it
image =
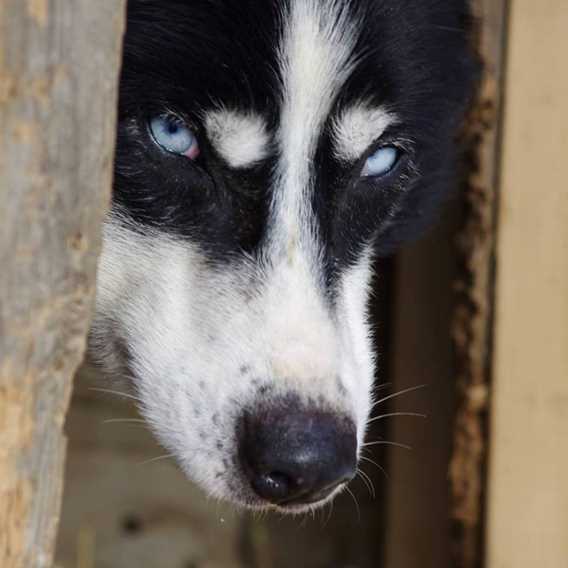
(58, 75)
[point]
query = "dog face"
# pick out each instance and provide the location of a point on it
(266, 151)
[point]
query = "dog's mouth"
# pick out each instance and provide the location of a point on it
(243, 495)
(298, 508)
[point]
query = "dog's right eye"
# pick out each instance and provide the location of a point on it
(174, 136)
(381, 162)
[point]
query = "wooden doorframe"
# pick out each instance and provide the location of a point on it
(59, 64)
(527, 491)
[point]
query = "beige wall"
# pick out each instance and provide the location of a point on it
(528, 474)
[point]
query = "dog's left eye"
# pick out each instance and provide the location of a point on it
(381, 162)
(174, 136)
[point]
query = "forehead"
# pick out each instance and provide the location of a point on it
(206, 52)
(228, 52)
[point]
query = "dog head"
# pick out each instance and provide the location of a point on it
(266, 152)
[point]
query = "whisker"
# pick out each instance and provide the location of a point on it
(358, 474)
(356, 503)
(391, 414)
(368, 482)
(373, 462)
(158, 458)
(118, 393)
(330, 505)
(399, 393)
(127, 420)
(387, 443)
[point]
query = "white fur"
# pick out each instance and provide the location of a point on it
(240, 138)
(355, 338)
(357, 128)
(201, 339)
(316, 57)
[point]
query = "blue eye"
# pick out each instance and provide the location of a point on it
(173, 135)
(381, 162)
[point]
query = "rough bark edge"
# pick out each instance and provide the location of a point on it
(44, 309)
(473, 315)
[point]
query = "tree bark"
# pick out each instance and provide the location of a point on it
(59, 63)
(474, 290)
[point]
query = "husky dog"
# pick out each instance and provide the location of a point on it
(266, 152)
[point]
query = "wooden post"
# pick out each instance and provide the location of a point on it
(58, 77)
(473, 313)
(527, 521)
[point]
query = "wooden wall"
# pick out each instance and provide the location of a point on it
(477, 311)
(528, 473)
(58, 83)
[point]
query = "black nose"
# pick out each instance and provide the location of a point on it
(294, 456)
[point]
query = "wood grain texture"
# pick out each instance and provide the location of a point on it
(58, 77)
(528, 473)
(474, 287)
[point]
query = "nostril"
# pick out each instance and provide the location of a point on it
(275, 487)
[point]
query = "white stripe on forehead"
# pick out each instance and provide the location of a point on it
(316, 57)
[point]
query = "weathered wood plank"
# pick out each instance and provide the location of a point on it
(58, 76)
(528, 473)
(473, 315)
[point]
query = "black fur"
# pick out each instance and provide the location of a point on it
(188, 55)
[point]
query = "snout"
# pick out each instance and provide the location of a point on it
(296, 456)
